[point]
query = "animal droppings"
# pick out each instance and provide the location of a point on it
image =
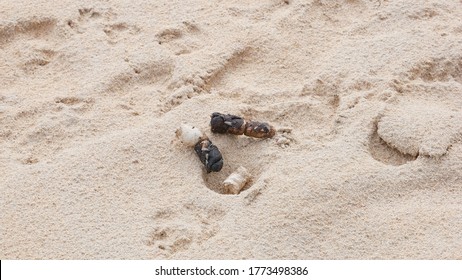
(188, 134)
(237, 180)
(226, 123)
(208, 153)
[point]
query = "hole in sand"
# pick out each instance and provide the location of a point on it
(214, 180)
(237, 151)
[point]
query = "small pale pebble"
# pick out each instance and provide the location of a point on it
(189, 134)
(237, 180)
(282, 141)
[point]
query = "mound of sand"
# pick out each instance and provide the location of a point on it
(368, 92)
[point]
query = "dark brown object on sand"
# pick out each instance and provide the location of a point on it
(226, 123)
(209, 155)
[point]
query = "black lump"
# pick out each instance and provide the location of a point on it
(226, 123)
(209, 155)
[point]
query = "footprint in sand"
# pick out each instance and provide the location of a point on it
(170, 234)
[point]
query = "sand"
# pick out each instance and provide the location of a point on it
(369, 94)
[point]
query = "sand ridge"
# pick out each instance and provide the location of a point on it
(368, 92)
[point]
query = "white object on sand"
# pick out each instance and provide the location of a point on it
(237, 180)
(189, 134)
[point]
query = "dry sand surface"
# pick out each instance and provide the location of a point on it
(370, 92)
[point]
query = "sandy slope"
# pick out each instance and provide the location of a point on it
(91, 93)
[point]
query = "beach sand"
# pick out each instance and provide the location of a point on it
(366, 97)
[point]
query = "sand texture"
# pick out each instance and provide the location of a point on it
(365, 95)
